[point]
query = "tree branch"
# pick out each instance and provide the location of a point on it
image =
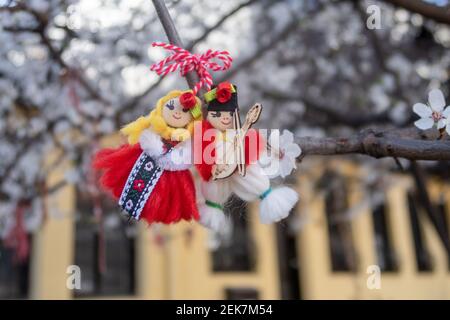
(369, 142)
(135, 101)
(378, 144)
(42, 20)
(438, 14)
(172, 34)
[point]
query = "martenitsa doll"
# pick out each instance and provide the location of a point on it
(150, 175)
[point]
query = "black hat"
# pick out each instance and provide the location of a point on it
(222, 97)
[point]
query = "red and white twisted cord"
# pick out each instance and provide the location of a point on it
(185, 61)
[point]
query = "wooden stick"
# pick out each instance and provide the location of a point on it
(240, 144)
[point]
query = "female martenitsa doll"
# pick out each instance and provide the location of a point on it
(150, 175)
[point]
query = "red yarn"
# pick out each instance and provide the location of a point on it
(252, 150)
(254, 146)
(173, 198)
(185, 61)
(204, 169)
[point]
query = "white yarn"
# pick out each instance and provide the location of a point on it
(217, 192)
(151, 143)
(213, 218)
(277, 204)
(179, 158)
(252, 185)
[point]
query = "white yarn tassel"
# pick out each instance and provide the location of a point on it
(212, 218)
(215, 193)
(252, 185)
(277, 204)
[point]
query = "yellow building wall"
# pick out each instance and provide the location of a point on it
(182, 269)
(317, 279)
(53, 245)
(174, 270)
(192, 267)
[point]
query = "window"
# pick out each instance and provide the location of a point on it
(288, 259)
(14, 275)
(342, 250)
(422, 256)
(385, 253)
(442, 212)
(104, 251)
(236, 251)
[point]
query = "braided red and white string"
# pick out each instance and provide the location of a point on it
(185, 61)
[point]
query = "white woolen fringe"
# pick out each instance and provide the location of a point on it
(217, 192)
(212, 218)
(277, 204)
(274, 207)
(252, 185)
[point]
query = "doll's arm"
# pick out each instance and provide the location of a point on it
(179, 158)
(151, 143)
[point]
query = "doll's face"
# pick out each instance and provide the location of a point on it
(174, 114)
(221, 120)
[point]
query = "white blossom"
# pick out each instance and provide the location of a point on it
(281, 159)
(447, 123)
(435, 113)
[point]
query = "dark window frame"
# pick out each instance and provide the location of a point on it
(236, 253)
(342, 250)
(386, 254)
(119, 276)
(249, 293)
(423, 259)
(15, 280)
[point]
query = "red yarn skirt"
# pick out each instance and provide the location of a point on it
(173, 198)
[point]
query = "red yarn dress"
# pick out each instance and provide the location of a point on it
(172, 198)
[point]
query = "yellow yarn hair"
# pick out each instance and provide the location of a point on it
(156, 122)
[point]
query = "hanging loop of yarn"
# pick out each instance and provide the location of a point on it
(185, 62)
